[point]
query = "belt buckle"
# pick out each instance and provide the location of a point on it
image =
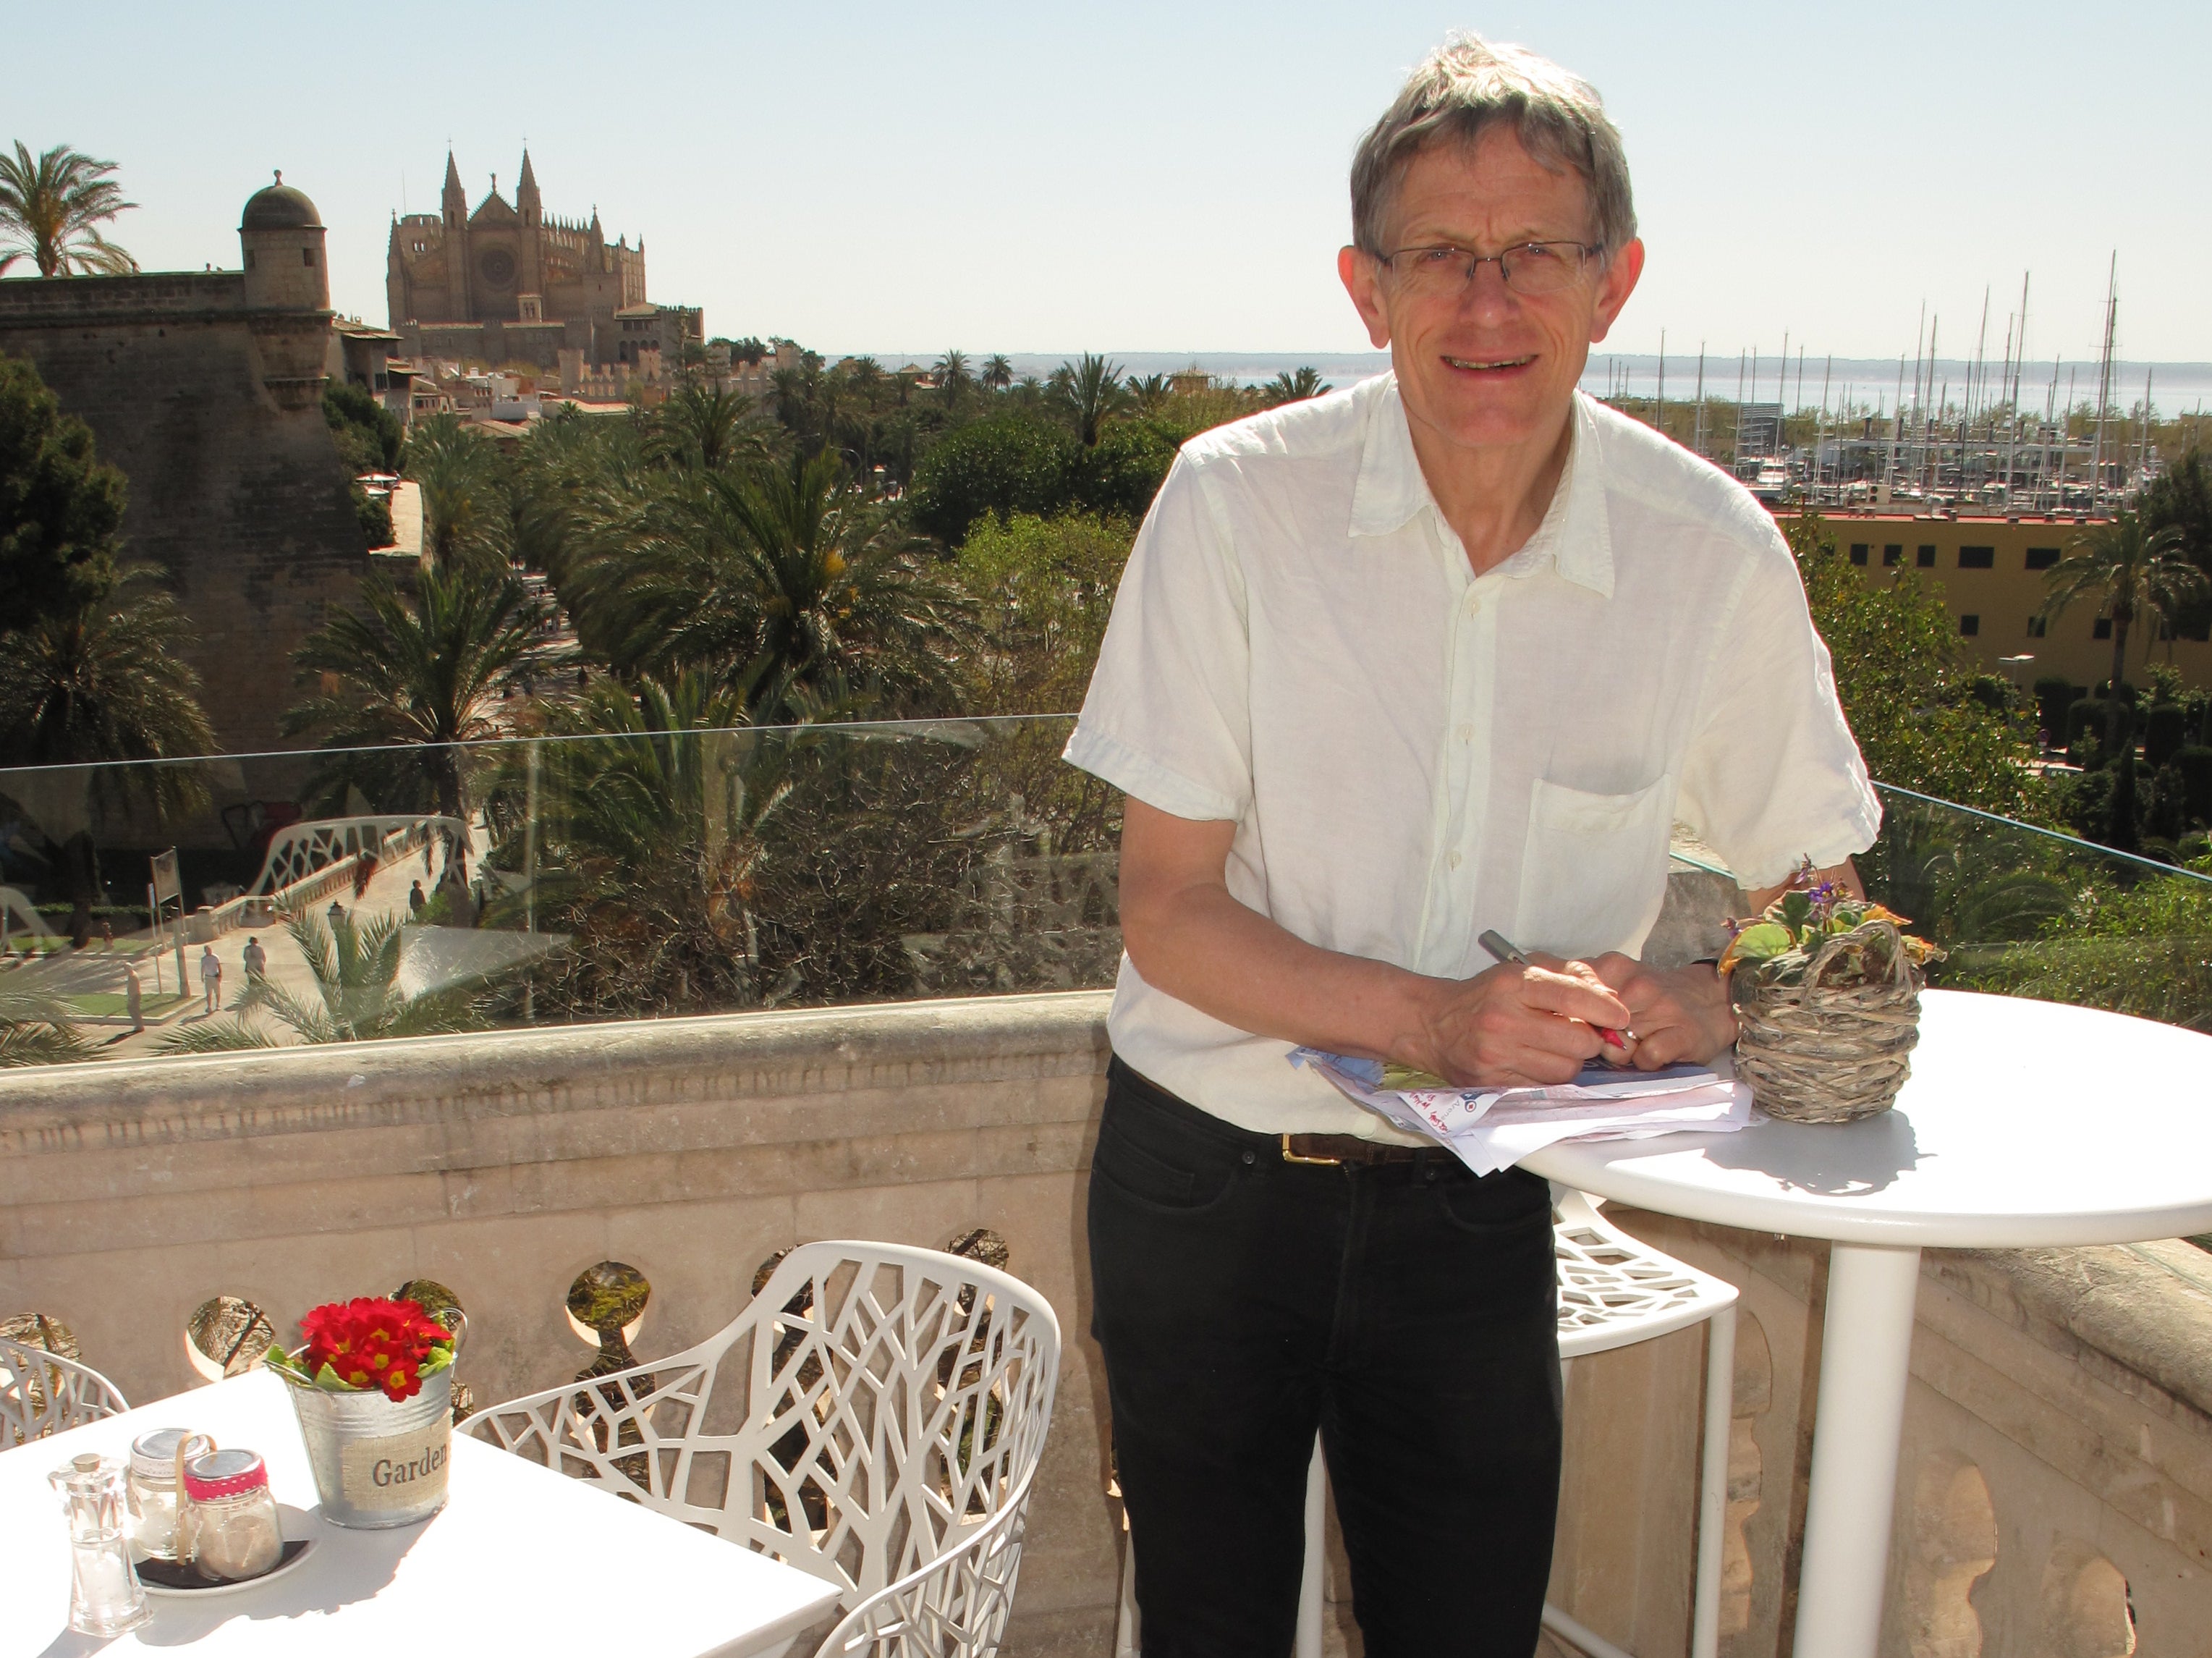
(1290, 1156)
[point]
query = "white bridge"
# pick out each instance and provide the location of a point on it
(300, 851)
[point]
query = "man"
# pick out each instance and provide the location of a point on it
(254, 960)
(416, 903)
(1451, 651)
(211, 977)
(134, 998)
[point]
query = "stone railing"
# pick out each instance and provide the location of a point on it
(2058, 1460)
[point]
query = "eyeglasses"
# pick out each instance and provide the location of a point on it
(1446, 272)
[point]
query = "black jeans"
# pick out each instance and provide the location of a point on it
(1408, 1311)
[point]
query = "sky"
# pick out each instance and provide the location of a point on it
(1040, 178)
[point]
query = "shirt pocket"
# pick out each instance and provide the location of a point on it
(1594, 869)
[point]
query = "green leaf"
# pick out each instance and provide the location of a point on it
(1761, 940)
(1796, 908)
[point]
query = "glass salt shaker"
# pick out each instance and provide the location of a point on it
(152, 1493)
(226, 1525)
(106, 1598)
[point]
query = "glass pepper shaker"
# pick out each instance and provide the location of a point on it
(153, 1491)
(227, 1527)
(104, 1595)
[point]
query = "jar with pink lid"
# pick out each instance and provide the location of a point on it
(226, 1525)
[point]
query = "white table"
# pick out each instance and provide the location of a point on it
(520, 1559)
(2024, 1123)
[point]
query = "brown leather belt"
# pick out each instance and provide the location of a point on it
(1332, 1151)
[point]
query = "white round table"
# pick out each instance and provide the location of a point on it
(2024, 1123)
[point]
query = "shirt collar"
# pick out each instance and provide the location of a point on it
(1576, 534)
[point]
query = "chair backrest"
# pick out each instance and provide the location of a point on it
(872, 1406)
(42, 1392)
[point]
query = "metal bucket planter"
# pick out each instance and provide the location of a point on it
(379, 1462)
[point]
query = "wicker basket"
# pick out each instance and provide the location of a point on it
(1816, 1051)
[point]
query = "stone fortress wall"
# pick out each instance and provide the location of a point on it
(206, 389)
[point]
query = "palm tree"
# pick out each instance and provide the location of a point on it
(415, 675)
(1288, 387)
(2133, 571)
(101, 683)
(465, 514)
(356, 969)
(648, 845)
(703, 427)
(34, 1029)
(1150, 393)
(805, 584)
(50, 211)
(1088, 390)
(998, 374)
(951, 374)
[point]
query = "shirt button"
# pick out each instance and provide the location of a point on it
(1474, 603)
(1455, 860)
(1467, 733)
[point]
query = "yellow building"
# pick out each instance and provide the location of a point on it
(1991, 571)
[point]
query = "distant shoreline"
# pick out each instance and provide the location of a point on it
(2176, 388)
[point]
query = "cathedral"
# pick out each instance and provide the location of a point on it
(506, 284)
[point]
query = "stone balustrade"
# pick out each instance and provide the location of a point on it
(2056, 1497)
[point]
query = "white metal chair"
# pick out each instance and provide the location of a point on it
(874, 1417)
(42, 1392)
(1614, 1290)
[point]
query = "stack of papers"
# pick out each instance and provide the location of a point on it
(1491, 1129)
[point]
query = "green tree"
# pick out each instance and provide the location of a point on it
(648, 846)
(51, 208)
(101, 683)
(795, 583)
(412, 676)
(2133, 571)
(1288, 387)
(951, 374)
(1045, 588)
(998, 374)
(369, 439)
(1009, 464)
(703, 427)
(1089, 392)
(61, 508)
(2180, 498)
(355, 965)
(1909, 689)
(464, 511)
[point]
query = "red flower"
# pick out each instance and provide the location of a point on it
(373, 1343)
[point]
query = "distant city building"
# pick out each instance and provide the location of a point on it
(504, 283)
(206, 389)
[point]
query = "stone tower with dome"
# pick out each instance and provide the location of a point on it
(206, 388)
(503, 282)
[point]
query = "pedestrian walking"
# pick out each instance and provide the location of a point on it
(134, 998)
(255, 960)
(211, 977)
(416, 903)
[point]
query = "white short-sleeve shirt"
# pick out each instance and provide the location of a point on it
(1412, 753)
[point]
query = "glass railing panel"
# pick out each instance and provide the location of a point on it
(634, 873)
(2025, 912)
(639, 873)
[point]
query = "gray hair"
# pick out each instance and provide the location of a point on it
(1468, 86)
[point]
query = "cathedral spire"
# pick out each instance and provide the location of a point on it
(453, 174)
(528, 186)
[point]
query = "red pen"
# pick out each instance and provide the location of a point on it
(1506, 951)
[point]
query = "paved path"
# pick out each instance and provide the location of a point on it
(97, 970)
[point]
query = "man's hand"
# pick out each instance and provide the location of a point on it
(1518, 1025)
(1677, 1013)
